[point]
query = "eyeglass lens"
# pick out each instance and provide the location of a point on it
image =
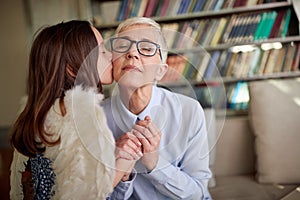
(122, 45)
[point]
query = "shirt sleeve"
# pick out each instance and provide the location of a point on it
(123, 190)
(189, 178)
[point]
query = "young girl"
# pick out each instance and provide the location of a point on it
(61, 136)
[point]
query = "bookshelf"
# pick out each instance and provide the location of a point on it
(219, 47)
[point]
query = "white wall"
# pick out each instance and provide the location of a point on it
(13, 58)
(17, 28)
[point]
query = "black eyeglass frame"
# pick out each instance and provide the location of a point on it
(137, 43)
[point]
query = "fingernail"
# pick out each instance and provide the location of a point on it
(140, 153)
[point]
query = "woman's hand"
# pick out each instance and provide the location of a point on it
(149, 136)
(128, 147)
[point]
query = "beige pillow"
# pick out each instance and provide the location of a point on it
(274, 114)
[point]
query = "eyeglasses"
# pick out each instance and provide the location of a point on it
(123, 45)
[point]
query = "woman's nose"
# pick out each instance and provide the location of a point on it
(133, 52)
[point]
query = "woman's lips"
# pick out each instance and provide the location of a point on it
(131, 68)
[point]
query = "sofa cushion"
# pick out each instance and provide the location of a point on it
(235, 147)
(274, 114)
(246, 188)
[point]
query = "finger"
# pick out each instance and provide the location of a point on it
(136, 149)
(142, 123)
(153, 129)
(134, 139)
(123, 154)
(147, 118)
(141, 138)
(130, 148)
(143, 130)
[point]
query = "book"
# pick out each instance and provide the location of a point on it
(280, 59)
(230, 66)
(189, 35)
(164, 8)
(240, 97)
(242, 32)
(192, 6)
(277, 23)
(265, 33)
(251, 2)
(135, 8)
(170, 31)
(211, 67)
(237, 65)
(220, 64)
(190, 71)
(252, 26)
(196, 26)
(150, 8)
(173, 7)
(260, 27)
(211, 32)
(201, 67)
(228, 4)
(296, 60)
(184, 6)
(184, 32)
(122, 10)
(218, 33)
(158, 8)
(128, 9)
(263, 62)
(219, 5)
(270, 65)
(142, 8)
(227, 33)
(286, 23)
(257, 54)
(199, 6)
(246, 63)
(223, 68)
(290, 54)
(207, 27)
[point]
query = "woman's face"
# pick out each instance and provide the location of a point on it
(133, 69)
(104, 64)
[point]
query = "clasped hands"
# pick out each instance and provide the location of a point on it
(141, 142)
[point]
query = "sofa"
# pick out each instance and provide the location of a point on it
(256, 156)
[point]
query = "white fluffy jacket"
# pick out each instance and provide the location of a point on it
(84, 159)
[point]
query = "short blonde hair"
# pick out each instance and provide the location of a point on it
(150, 22)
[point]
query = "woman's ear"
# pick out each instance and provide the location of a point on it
(161, 71)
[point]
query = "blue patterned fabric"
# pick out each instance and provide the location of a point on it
(43, 177)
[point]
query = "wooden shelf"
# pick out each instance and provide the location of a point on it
(230, 80)
(227, 46)
(209, 14)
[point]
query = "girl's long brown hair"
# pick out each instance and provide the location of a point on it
(55, 48)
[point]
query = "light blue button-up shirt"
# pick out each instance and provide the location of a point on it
(182, 171)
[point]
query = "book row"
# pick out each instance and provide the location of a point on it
(235, 29)
(147, 8)
(236, 96)
(240, 28)
(267, 59)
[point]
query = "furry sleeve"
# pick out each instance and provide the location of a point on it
(84, 161)
(16, 168)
